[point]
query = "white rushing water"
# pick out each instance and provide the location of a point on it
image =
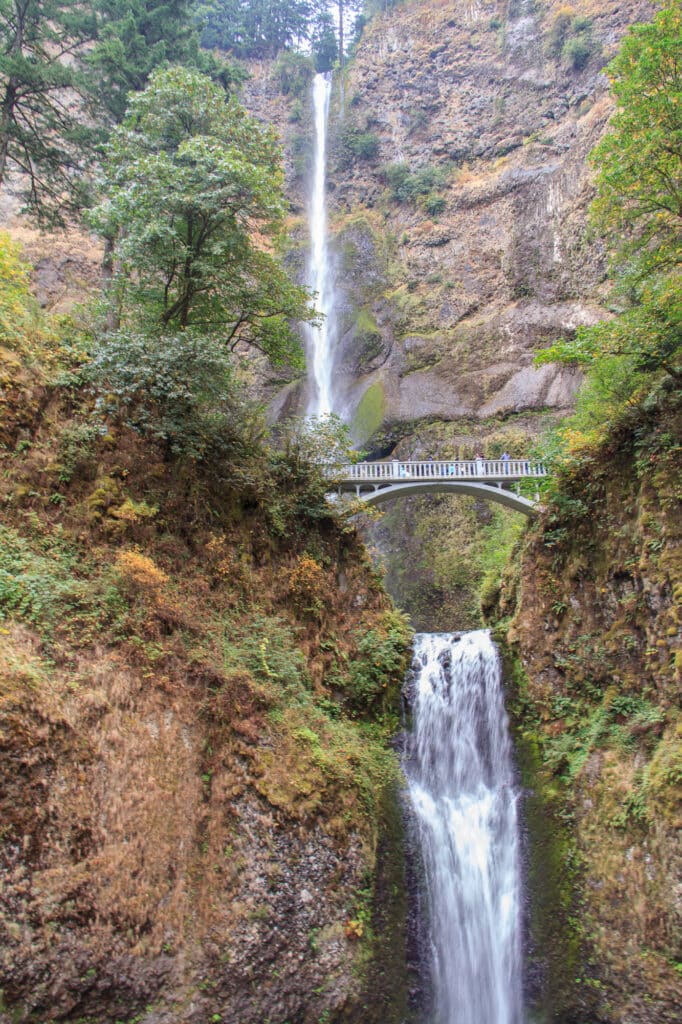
(460, 775)
(319, 277)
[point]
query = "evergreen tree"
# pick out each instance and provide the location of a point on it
(323, 41)
(42, 136)
(136, 36)
(255, 28)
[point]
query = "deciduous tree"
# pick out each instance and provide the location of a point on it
(639, 204)
(193, 190)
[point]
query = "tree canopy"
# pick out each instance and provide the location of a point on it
(639, 161)
(193, 190)
(256, 28)
(136, 36)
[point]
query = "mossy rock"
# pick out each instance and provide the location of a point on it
(369, 413)
(365, 348)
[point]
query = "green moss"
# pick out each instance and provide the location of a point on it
(557, 935)
(369, 413)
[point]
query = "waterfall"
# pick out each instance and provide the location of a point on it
(319, 339)
(460, 776)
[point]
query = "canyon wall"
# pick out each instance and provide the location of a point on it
(591, 616)
(458, 192)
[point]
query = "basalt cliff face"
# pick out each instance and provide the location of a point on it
(592, 616)
(458, 197)
(458, 189)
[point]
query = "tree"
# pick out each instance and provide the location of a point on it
(42, 136)
(255, 28)
(639, 204)
(323, 42)
(193, 190)
(639, 161)
(136, 36)
(344, 7)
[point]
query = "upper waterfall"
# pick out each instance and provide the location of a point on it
(318, 277)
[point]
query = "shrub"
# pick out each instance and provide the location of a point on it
(381, 662)
(559, 31)
(139, 573)
(178, 389)
(357, 144)
(76, 449)
(38, 586)
(409, 186)
(577, 51)
(432, 204)
(308, 586)
(266, 646)
(570, 38)
(293, 72)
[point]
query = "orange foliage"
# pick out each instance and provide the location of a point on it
(139, 572)
(308, 585)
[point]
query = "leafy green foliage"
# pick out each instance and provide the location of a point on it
(193, 190)
(639, 210)
(639, 162)
(307, 443)
(37, 585)
(420, 186)
(382, 655)
(268, 649)
(179, 389)
(648, 333)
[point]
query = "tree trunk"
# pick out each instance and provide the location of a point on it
(113, 320)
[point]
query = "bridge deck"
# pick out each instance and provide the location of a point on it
(490, 471)
(486, 478)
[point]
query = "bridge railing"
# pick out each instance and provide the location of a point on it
(397, 471)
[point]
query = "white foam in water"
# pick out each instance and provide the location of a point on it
(459, 769)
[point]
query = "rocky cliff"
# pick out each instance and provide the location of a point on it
(458, 194)
(594, 627)
(192, 795)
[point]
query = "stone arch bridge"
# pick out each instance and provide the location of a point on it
(492, 479)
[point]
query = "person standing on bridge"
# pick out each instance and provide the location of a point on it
(480, 464)
(505, 457)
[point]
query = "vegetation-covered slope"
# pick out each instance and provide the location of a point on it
(595, 631)
(200, 669)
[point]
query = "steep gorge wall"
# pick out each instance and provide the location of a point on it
(448, 286)
(191, 810)
(447, 296)
(592, 616)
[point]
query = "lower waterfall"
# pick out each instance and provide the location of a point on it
(460, 774)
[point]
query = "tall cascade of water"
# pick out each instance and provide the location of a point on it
(459, 769)
(318, 277)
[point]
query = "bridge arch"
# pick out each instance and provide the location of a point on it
(476, 490)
